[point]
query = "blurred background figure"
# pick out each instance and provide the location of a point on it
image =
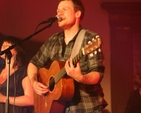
(20, 91)
(134, 101)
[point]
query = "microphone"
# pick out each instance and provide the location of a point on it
(51, 20)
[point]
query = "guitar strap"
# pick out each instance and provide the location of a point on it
(77, 44)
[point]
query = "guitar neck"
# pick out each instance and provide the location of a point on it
(60, 75)
(63, 71)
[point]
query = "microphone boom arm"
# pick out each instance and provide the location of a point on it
(49, 21)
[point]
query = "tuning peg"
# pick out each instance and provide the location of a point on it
(89, 42)
(97, 36)
(95, 52)
(99, 50)
(93, 39)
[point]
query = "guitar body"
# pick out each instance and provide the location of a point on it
(62, 90)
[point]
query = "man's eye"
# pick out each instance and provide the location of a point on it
(65, 9)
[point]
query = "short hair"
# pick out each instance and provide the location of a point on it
(78, 5)
(20, 56)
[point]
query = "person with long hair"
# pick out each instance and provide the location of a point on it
(21, 98)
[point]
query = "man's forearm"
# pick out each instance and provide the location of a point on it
(32, 73)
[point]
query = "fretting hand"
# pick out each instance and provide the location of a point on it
(74, 71)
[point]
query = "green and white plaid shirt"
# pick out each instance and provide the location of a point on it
(87, 98)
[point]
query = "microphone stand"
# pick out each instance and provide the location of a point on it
(8, 54)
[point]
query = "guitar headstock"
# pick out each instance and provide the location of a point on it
(92, 45)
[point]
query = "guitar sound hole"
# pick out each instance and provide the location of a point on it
(51, 84)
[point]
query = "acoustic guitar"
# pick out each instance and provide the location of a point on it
(61, 86)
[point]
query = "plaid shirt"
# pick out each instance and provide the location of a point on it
(87, 98)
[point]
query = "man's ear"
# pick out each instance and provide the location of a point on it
(78, 14)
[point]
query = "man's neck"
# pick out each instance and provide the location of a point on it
(70, 33)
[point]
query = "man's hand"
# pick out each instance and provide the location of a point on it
(74, 71)
(39, 88)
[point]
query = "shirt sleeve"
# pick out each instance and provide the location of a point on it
(94, 60)
(42, 57)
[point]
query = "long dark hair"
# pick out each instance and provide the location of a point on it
(20, 56)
